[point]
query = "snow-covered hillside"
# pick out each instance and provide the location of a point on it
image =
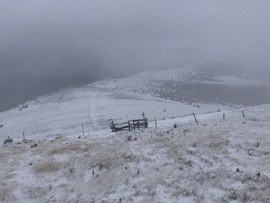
(216, 83)
(216, 160)
(64, 112)
(63, 150)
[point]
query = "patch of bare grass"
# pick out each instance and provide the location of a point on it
(9, 176)
(69, 148)
(6, 193)
(48, 166)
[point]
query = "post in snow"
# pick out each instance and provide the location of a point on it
(195, 118)
(243, 113)
(82, 129)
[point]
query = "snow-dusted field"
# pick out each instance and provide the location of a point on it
(65, 112)
(215, 160)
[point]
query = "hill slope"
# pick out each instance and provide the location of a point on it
(216, 83)
(214, 161)
(94, 107)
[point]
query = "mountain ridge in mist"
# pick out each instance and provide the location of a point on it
(208, 82)
(195, 82)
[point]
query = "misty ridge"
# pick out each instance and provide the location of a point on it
(49, 45)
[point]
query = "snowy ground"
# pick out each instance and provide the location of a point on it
(65, 112)
(214, 83)
(215, 160)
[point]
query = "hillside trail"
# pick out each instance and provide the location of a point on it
(95, 104)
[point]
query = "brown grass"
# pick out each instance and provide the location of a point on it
(74, 147)
(6, 193)
(48, 166)
(9, 176)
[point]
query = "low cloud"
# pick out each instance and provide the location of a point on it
(77, 42)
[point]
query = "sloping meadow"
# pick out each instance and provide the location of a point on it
(214, 161)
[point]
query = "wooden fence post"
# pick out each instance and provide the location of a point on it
(156, 122)
(243, 114)
(82, 129)
(134, 126)
(195, 118)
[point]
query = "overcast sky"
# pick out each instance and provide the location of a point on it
(46, 44)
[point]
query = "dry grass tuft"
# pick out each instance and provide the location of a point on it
(74, 147)
(6, 193)
(9, 176)
(48, 167)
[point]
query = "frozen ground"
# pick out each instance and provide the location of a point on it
(65, 112)
(215, 160)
